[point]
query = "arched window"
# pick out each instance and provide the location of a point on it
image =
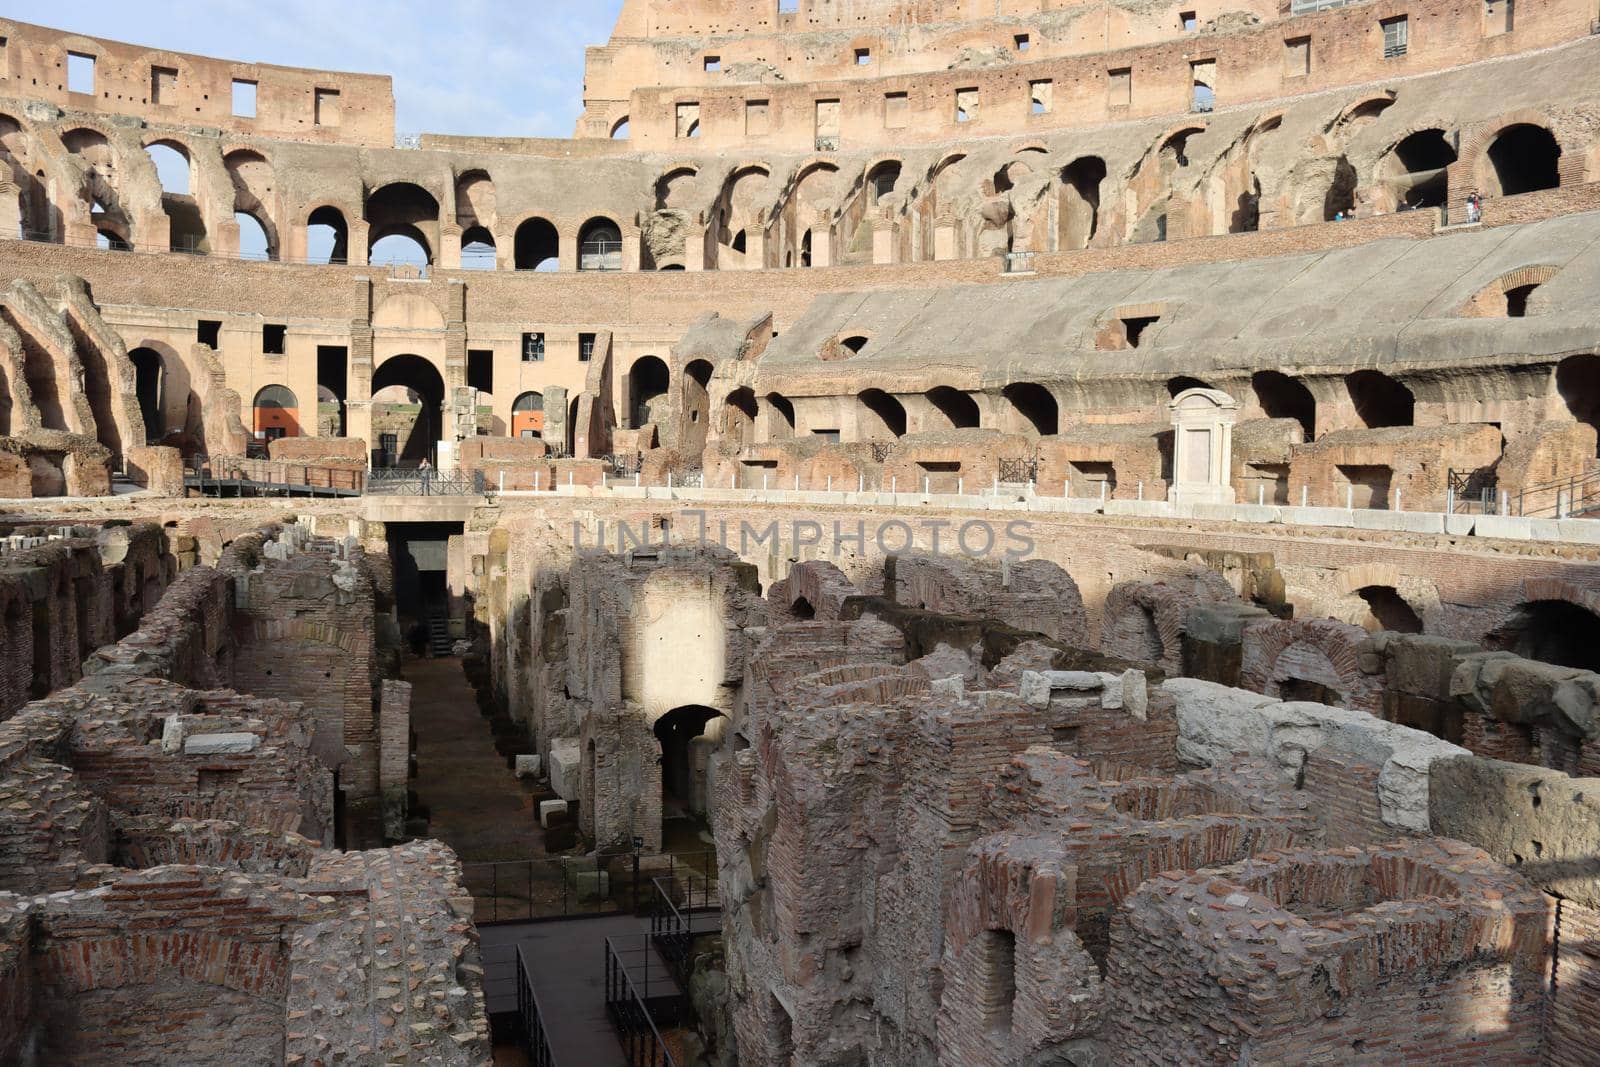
(958, 407)
(1525, 158)
(253, 242)
(477, 249)
(276, 413)
(600, 246)
(327, 236)
(1282, 397)
(1380, 400)
(884, 177)
(172, 167)
(890, 414)
(527, 415)
(619, 129)
(1416, 170)
(148, 384)
(1080, 201)
(537, 246)
(646, 381)
(1036, 406)
(406, 211)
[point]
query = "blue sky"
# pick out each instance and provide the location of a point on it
(469, 66)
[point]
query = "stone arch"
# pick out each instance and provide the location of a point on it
(1553, 621)
(326, 224)
(536, 245)
(407, 311)
(1283, 397)
(255, 193)
(648, 380)
(958, 407)
(1491, 154)
(600, 244)
(1313, 659)
(275, 412)
(1414, 172)
(1379, 400)
(1512, 294)
(403, 209)
(1081, 183)
(424, 378)
(880, 413)
(1034, 406)
(686, 735)
(740, 411)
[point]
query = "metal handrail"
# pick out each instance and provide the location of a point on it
(1576, 493)
(265, 473)
(534, 1036)
(487, 879)
(408, 481)
(630, 1013)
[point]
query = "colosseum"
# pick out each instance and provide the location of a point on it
(924, 533)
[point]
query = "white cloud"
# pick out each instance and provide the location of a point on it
(475, 67)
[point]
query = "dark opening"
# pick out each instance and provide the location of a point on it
(1380, 400)
(1578, 383)
(1181, 384)
(43, 677)
(1307, 690)
(1552, 631)
(147, 385)
(421, 377)
(333, 363)
(646, 381)
(419, 552)
(537, 246)
(208, 333)
(1136, 327)
(1282, 397)
(273, 337)
(683, 785)
(887, 408)
(1036, 405)
(480, 369)
(1080, 189)
(1525, 158)
(960, 408)
(1389, 611)
(1423, 157)
(1517, 301)
(802, 609)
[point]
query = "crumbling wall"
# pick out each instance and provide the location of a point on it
(1145, 622)
(1032, 594)
(1296, 956)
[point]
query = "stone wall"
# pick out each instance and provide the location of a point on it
(1297, 955)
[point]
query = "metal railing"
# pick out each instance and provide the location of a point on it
(1472, 492)
(535, 890)
(534, 1037)
(1578, 495)
(406, 481)
(672, 927)
(269, 477)
(1023, 471)
(625, 465)
(633, 1013)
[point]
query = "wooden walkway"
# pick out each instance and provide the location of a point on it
(567, 961)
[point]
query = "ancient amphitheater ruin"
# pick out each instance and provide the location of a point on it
(1032, 533)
